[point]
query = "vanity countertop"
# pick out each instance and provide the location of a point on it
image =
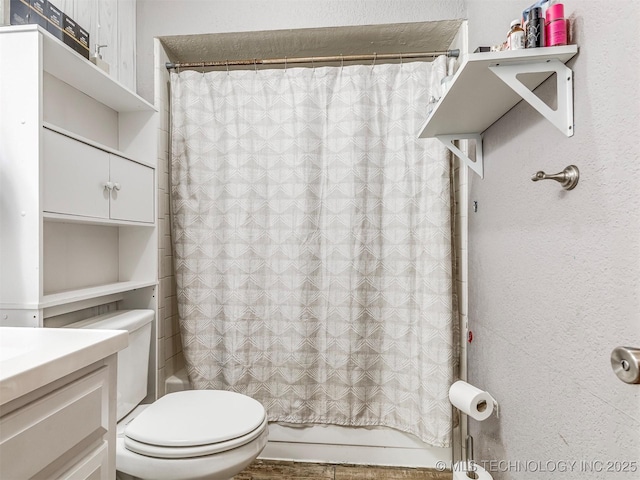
(33, 357)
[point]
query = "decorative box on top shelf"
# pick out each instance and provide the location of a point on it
(487, 85)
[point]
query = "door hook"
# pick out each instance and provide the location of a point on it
(568, 178)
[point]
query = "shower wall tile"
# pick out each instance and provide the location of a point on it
(161, 387)
(161, 323)
(170, 357)
(173, 344)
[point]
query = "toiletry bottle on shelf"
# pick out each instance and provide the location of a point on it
(555, 26)
(515, 38)
(96, 58)
(535, 28)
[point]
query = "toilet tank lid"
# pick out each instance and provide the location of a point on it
(130, 320)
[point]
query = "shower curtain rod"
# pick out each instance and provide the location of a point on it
(293, 60)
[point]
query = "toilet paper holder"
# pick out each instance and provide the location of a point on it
(496, 406)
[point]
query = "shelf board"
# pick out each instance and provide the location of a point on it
(72, 68)
(61, 298)
(477, 97)
(68, 218)
(80, 138)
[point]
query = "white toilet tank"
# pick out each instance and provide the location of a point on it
(133, 361)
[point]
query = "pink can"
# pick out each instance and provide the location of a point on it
(555, 26)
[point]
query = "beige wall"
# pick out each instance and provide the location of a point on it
(554, 276)
(186, 17)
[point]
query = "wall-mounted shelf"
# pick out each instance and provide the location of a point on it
(487, 85)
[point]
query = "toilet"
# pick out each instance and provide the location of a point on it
(189, 435)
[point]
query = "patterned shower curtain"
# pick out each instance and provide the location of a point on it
(313, 244)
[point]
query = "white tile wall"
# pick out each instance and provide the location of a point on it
(170, 358)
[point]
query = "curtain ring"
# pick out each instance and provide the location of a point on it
(203, 69)
(227, 62)
(255, 64)
(313, 65)
(375, 56)
(400, 60)
(341, 62)
(285, 64)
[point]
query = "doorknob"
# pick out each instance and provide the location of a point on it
(625, 362)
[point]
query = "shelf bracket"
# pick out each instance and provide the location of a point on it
(477, 165)
(562, 117)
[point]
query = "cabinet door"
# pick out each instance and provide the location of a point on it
(74, 177)
(133, 194)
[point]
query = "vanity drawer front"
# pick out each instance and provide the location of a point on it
(38, 434)
(92, 467)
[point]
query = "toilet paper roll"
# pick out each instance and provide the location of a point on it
(468, 399)
(461, 472)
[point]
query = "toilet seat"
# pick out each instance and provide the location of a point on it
(195, 423)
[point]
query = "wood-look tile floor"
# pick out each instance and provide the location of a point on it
(271, 470)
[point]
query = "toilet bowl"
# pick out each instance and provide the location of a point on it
(188, 435)
(191, 435)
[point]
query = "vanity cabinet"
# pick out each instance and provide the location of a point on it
(65, 427)
(78, 185)
(58, 404)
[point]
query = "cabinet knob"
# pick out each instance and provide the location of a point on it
(116, 186)
(108, 185)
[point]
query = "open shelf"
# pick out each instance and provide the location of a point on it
(73, 218)
(62, 62)
(80, 138)
(488, 85)
(61, 298)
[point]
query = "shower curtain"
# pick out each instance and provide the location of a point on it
(312, 243)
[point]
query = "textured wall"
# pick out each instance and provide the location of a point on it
(553, 275)
(186, 17)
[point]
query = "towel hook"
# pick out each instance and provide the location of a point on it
(568, 178)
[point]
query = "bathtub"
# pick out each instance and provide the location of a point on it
(335, 444)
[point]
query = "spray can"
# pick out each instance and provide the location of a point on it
(535, 28)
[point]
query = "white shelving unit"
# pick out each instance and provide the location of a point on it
(77, 184)
(488, 85)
